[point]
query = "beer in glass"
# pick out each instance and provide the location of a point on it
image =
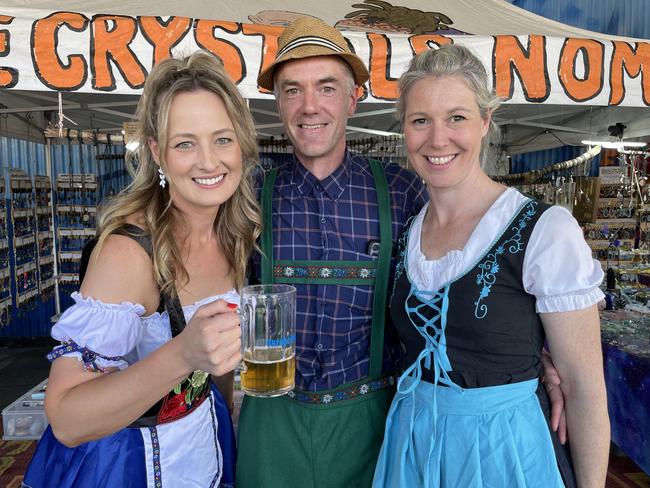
(268, 320)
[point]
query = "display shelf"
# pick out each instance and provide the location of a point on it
(77, 181)
(44, 235)
(5, 270)
(24, 240)
(76, 212)
(76, 232)
(26, 296)
(23, 221)
(605, 243)
(72, 256)
(69, 278)
(615, 232)
(19, 213)
(5, 310)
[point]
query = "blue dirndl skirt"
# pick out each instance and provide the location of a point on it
(474, 438)
(119, 460)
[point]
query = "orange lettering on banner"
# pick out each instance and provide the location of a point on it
(47, 65)
(164, 35)
(382, 85)
(529, 63)
(635, 62)
(591, 83)
(111, 36)
(8, 76)
(232, 58)
(270, 34)
(424, 42)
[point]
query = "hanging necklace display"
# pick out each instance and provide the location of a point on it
(85, 203)
(123, 172)
(68, 225)
(44, 235)
(108, 155)
(24, 232)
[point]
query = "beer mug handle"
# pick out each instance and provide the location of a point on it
(244, 323)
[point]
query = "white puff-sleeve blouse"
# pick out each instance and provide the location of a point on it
(115, 335)
(558, 266)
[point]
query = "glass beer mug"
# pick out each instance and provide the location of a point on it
(268, 322)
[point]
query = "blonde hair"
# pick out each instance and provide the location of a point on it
(238, 222)
(452, 60)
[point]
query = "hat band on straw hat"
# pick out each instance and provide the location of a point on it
(309, 37)
(309, 41)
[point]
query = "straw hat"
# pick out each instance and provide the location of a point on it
(307, 37)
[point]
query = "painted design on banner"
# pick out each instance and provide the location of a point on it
(380, 16)
(372, 16)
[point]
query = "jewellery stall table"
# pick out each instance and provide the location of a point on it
(626, 353)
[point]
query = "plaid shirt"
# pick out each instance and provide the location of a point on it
(335, 219)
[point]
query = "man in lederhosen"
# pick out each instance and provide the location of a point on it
(331, 218)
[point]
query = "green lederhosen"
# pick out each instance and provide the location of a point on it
(325, 439)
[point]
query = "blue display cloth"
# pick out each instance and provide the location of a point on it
(626, 354)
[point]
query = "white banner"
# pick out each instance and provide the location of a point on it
(70, 51)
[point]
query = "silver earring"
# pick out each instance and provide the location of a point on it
(161, 175)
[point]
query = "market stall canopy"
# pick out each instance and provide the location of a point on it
(561, 84)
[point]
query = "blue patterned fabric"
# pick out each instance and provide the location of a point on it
(118, 460)
(628, 398)
(88, 357)
(335, 219)
(115, 460)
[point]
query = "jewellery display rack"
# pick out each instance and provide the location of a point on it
(612, 236)
(24, 240)
(5, 271)
(76, 211)
(44, 235)
(559, 191)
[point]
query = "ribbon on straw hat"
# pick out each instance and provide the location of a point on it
(308, 37)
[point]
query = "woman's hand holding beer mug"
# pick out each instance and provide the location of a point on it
(212, 339)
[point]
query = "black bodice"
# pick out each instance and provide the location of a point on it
(493, 334)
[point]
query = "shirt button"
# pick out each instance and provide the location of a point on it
(319, 188)
(319, 346)
(322, 221)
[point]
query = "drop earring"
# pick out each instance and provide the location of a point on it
(161, 175)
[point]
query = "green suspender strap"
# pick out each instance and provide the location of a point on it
(338, 272)
(267, 231)
(381, 281)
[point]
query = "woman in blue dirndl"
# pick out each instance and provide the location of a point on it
(130, 399)
(485, 277)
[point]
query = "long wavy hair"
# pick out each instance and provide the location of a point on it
(238, 222)
(453, 60)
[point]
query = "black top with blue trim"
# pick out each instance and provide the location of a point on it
(493, 334)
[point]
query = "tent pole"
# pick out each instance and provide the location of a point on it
(48, 170)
